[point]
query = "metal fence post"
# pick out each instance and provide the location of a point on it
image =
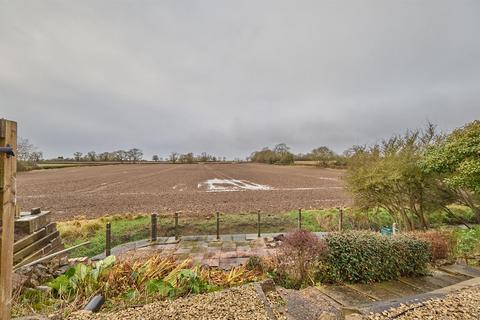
(218, 225)
(176, 226)
(258, 223)
(299, 218)
(340, 220)
(108, 239)
(153, 235)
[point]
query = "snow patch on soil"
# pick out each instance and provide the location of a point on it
(229, 185)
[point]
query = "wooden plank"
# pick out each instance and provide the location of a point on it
(31, 238)
(28, 240)
(8, 201)
(18, 256)
(2, 128)
(34, 256)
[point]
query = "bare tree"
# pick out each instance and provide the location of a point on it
(135, 154)
(92, 155)
(35, 156)
(78, 156)
(24, 149)
(173, 157)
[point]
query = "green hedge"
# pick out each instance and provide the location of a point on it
(356, 256)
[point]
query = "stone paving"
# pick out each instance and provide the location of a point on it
(227, 252)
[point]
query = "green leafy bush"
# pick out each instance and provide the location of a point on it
(367, 257)
(468, 242)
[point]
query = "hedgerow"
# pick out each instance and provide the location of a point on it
(368, 257)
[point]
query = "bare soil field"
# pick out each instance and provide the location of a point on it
(196, 189)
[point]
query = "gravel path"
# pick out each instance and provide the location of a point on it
(239, 303)
(464, 304)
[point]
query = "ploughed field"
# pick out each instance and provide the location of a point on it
(194, 189)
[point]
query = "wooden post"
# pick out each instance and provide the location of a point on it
(176, 225)
(340, 220)
(108, 239)
(258, 223)
(218, 225)
(299, 218)
(8, 173)
(153, 235)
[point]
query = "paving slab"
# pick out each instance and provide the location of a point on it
(194, 238)
(251, 236)
(399, 288)
(345, 296)
(462, 269)
(226, 237)
(447, 279)
(239, 237)
(425, 284)
(375, 291)
(308, 304)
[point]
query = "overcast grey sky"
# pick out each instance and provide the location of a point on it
(230, 77)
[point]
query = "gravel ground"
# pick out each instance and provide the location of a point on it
(239, 303)
(96, 191)
(464, 304)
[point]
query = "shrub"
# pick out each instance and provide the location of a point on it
(367, 257)
(468, 243)
(298, 260)
(439, 243)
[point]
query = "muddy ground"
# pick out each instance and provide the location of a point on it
(197, 189)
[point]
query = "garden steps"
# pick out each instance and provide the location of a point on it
(380, 306)
(307, 304)
(365, 298)
(461, 270)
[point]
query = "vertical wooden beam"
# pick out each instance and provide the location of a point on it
(258, 224)
(176, 226)
(218, 225)
(8, 172)
(299, 218)
(108, 239)
(153, 233)
(340, 220)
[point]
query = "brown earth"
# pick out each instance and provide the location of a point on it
(165, 188)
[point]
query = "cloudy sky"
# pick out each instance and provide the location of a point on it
(229, 77)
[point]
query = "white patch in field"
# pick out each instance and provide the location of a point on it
(229, 185)
(179, 187)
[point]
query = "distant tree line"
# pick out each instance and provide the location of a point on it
(132, 155)
(189, 157)
(324, 157)
(280, 154)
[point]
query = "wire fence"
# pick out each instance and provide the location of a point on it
(177, 226)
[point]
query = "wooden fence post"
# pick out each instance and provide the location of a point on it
(8, 173)
(299, 218)
(153, 234)
(108, 239)
(218, 225)
(258, 223)
(176, 225)
(340, 220)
